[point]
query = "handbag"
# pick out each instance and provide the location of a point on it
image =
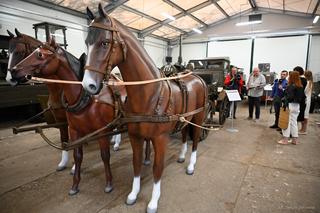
(284, 117)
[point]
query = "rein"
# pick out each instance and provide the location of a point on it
(111, 83)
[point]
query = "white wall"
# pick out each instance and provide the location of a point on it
(239, 52)
(314, 57)
(282, 53)
(189, 51)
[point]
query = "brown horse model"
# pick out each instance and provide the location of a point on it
(153, 110)
(85, 114)
(19, 48)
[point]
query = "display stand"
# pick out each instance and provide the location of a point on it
(233, 95)
(267, 88)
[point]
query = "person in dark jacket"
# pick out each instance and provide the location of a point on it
(234, 81)
(304, 84)
(293, 97)
(277, 94)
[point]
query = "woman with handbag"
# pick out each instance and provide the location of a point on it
(294, 96)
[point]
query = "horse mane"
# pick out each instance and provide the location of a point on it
(75, 63)
(138, 47)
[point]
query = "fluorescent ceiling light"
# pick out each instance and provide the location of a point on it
(315, 20)
(197, 30)
(168, 16)
(248, 23)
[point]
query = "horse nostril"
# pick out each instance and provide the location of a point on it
(28, 77)
(92, 87)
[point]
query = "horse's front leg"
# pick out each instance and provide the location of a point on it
(195, 140)
(117, 141)
(77, 155)
(147, 152)
(105, 155)
(159, 145)
(64, 137)
(137, 148)
(184, 147)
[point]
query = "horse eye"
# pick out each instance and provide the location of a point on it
(39, 54)
(104, 44)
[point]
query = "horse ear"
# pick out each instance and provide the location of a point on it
(101, 11)
(17, 32)
(52, 42)
(90, 14)
(10, 34)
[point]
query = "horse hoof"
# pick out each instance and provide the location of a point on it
(60, 168)
(180, 160)
(73, 192)
(149, 210)
(108, 189)
(146, 162)
(130, 202)
(189, 172)
(115, 148)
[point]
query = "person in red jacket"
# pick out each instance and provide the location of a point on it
(234, 81)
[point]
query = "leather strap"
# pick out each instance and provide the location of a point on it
(102, 26)
(91, 68)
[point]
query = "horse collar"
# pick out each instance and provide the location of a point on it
(81, 103)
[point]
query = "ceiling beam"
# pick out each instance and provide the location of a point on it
(113, 5)
(57, 8)
(220, 8)
(184, 11)
(137, 12)
(175, 40)
(253, 4)
(279, 11)
(152, 28)
(316, 8)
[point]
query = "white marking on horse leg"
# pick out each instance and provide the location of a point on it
(183, 152)
(156, 192)
(73, 169)
(193, 160)
(64, 160)
(117, 141)
(132, 197)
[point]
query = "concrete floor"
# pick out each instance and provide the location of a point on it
(235, 172)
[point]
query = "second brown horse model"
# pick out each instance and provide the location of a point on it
(153, 110)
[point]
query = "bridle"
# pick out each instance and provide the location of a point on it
(29, 49)
(114, 42)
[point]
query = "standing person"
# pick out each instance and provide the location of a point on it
(255, 86)
(294, 95)
(307, 92)
(304, 84)
(277, 94)
(234, 81)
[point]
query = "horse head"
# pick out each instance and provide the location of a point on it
(106, 49)
(19, 48)
(41, 62)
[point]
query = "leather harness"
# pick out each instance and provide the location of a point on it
(158, 117)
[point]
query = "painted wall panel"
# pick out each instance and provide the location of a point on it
(282, 53)
(238, 51)
(314, 57)
(190, 51)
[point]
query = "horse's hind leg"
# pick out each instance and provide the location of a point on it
(147, 152)
(64, 156)
(137, 148)
(184, 148)
(117, 141)
(105, 155)
(159, 144)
